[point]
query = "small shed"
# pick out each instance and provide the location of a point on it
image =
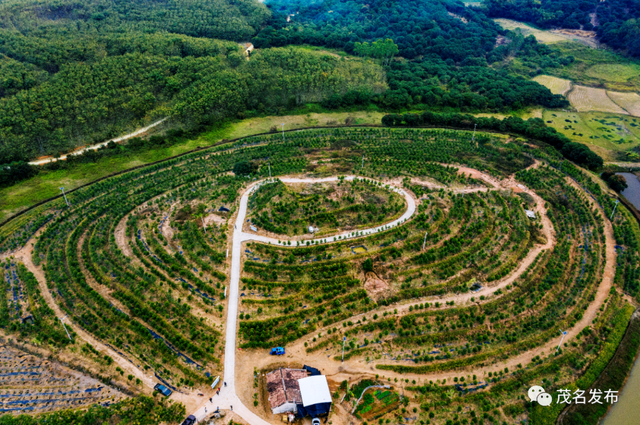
(530, 214)
(224, 209)
(316, 396)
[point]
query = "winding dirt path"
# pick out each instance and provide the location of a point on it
(24, 256)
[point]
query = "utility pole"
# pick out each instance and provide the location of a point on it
(473, 139)
(563, 335)
(344, 338)
(65, 196)
(65, 328)
(283, 132)
(424, 242)
(614, 209)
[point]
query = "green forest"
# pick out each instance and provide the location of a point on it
(445, 49)
(76, 74)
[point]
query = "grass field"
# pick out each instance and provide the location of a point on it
(587, 99)
(540, 35)
(629, 101)
(614, 71)
(612, 136)
(555, 84)
(598, 68)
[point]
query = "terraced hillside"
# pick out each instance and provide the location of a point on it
(449, 292)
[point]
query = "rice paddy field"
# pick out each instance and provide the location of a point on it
(589, 99)
(628, 101)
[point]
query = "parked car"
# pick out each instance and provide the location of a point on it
(163, 390)
(315, 421)
(191, 420)
(277, 351)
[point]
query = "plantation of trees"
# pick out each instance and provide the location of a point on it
(348, 205)
(462, 302)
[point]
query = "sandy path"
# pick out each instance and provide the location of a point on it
(99, 145)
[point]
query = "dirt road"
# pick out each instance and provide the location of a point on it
(99, 145)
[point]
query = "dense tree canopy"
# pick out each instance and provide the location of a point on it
(228, 19)
(444, 46)
(138, 78)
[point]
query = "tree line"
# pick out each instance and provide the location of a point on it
(533, 127)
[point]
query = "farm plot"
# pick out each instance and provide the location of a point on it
(630, 102)
(555, 84)
(464, 293)
(376, 403)
(31, 385)
(610, 135)
(327, 208)
(587, 99)
(23, 310)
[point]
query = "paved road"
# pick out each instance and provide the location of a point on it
(228, 397)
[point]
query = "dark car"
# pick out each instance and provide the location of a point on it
(190, 420)
(162, 390)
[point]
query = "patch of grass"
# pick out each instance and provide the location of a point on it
(616, 72)
(542, 36)
(556, 85)
(597, 68)
(607, 134)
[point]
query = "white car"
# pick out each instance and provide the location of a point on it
(315, 421)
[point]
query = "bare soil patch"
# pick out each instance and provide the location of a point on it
(375, 286)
